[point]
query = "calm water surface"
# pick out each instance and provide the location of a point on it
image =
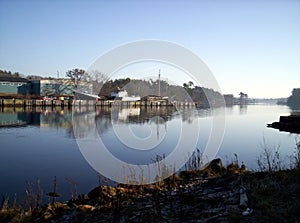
(46, 146)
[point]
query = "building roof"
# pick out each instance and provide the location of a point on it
(13, 79)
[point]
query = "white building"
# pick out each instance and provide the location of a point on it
(123, 96)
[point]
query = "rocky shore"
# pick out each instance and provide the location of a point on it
(289, 123)
(213, 194)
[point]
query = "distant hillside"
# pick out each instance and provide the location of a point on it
(269, 100)
(4, 73)
(188, 92)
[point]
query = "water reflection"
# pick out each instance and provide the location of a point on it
(243, 109)
(135, 136)
(62, 118)
(105, 116)
(45, 147)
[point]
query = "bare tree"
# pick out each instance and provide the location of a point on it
(97, 79)
(243, 98)
(75, 75)
(190, 84)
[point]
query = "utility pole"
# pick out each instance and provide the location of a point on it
(167, 87)
(57, 85)
(159, 83)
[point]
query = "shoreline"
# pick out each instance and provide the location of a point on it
(15, 103)
(213, 194)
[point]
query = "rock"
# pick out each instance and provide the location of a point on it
(102, 192)
(243, 168)
(188, 174)
(214, 167)
(243, 198)
(67, 218)
(287, 123)
(233, 168)
(85, 208)
(247, 212)
(80, 199)
(52, 210)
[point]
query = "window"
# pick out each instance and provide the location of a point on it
(12, 84)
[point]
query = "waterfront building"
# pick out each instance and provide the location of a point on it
(44, 87)
(14, 85)
(123, 96)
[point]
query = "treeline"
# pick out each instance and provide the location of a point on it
(294, 100)
(10, 74)
(187, 93)
(4, 73)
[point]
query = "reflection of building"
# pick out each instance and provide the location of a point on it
(46, 118)
(11, 118)
(125, 113)
(60, 118)
(140, 114)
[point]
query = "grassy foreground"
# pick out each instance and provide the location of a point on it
(213, 194)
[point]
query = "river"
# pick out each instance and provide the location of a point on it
(45, 144)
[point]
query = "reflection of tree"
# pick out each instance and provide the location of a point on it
(85, 119)
(147, 113)
(83, 123)
(56, 118)
(187, 115)
(105, 116)
(103, 119)
(243, 109)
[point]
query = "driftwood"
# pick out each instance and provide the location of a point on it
(243, 198)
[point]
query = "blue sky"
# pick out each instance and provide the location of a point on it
(250, 46)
